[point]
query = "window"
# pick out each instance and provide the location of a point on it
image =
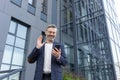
(14, 47)
(44, 10)
(70, 59)
(17, 2)
(32, 6)
(32, 2)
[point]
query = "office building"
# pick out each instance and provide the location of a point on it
(21, 22)
(88, 29)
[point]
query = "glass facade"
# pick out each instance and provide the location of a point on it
(14, 51)
(90, 29)
(114, 33)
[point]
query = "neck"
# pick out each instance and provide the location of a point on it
(49, 41)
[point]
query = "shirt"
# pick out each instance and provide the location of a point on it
(47, 58)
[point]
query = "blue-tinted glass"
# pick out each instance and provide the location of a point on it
(10, 39)
(31, 9)
(17, 2)
(12, 27)
(18, 56)
(67, 51)
(43, 17)
(20, 43)
(7, 54)
(21, 31)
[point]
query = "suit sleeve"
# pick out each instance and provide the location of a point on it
(63, 58)
(33, 55)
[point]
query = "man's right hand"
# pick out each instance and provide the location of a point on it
(39, 42)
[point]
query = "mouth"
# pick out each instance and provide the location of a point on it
(51, 37)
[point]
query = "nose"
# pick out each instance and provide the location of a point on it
(52, 33)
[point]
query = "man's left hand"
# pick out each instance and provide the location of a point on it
(56, 53)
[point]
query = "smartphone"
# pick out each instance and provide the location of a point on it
(43, 36)
(57, 46)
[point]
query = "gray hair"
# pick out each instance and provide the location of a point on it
(51, 26)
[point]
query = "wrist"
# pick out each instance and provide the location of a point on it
(37, 47)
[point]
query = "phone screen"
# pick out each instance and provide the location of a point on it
(57, 46)
(44, 36)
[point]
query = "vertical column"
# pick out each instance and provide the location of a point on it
(74, 39)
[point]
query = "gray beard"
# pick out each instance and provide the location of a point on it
(51, 39)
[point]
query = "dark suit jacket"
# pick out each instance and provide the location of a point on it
(56, 69)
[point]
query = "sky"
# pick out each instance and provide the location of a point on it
(117, 4)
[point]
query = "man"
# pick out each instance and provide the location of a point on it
(48, 58)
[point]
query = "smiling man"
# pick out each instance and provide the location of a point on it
(49, 58)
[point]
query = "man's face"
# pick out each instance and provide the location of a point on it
(51, 34)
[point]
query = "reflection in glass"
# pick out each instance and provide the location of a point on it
(70, 59)
(10, 39)
(13, 55)
(5, 79)
(20, 43)
(31, 9)
(15, 76)
(114, 51)
(30, 1)
(12, 27)
(21, 31)
(118, 54)
(44, 10)
(17, 2)
(67, 51)
(5, 67)
(7, 54)
(16, 67)
(18, 57)
(79, 57)
(43, 17)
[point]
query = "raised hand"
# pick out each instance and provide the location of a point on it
(39, 43)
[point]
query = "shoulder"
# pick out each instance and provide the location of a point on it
(58, 43)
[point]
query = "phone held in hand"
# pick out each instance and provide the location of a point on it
(43, 36)
(57, 46)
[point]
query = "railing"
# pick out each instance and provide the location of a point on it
(11, 74)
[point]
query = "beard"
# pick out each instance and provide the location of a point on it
(50, 38)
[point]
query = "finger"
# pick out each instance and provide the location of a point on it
(56, 49)
(55, 53)
(40, 38)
